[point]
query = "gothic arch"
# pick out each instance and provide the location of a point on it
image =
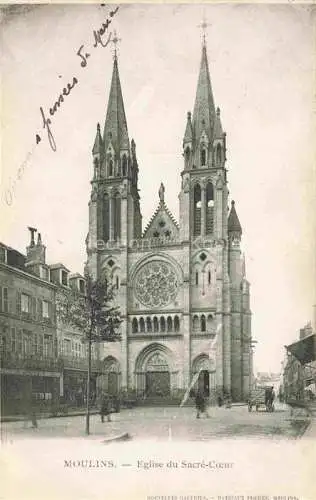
(197, 200)
(209, 208)
(203, 362)
(157, 257)
(145, 354)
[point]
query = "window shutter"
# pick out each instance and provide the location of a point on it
(18, 303)
(1, 293)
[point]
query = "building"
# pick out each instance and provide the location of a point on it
(29, 364)
(299, 375)
(182, 285)
(40, 357)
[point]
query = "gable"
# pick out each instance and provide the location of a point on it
(162, 224)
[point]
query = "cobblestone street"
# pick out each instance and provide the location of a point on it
(170, 423)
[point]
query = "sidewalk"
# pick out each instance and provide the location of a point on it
(310, 432)
(39, 416)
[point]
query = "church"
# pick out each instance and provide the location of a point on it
(181, 285)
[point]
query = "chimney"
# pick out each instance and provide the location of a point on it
(35, 254)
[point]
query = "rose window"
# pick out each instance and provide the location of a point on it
(156, 284)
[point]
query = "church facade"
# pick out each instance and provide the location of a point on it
(181, 285)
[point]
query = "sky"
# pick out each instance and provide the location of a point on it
(261, 65)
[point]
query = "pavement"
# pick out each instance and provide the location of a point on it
(171, 423)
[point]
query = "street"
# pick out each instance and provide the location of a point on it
(170, 423)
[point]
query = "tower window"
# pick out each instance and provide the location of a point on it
(196, 278)
(209, 208)
(117, 282)
(197, 210)
(110, 168)
(202, 256)
(124, 165)
(156, 234)
(203, 157)
(176, 324)
(209, 277)
(162, 324)
(111, 263)
(148, 323)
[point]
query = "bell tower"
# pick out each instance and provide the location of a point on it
(114, 207)
(203, 218)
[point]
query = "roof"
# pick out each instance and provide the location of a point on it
(115, 128)
(233, 221)
(59, 265)
(204, 109)
(97, 148)
(304, 350)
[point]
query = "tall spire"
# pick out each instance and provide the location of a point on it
(115, 128)
(204, 108)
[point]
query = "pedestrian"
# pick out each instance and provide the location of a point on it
(200, 404)
(105, 410)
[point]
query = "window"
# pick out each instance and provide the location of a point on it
(169, 324)
(45, 309)
(67, 346)
(81, 286)
(25, 303)
(203, 157)
(156, 325)
(209, 277)
(176, 324)
(162, 324)
(196, 278)
(134, 325)
(117, 282)
(148, 323)
(203, 323)
(13, 339)
(4, 299)
(64, 278)
(110, 168)
(197, 210)
(3, 255)
(142, 325)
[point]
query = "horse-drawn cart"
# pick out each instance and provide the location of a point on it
(261, 397)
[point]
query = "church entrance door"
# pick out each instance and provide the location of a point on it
(204, 382)
(157, 384)
(113, 383)
(157, 376)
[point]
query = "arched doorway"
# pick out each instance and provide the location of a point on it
(206, 381)
(110, 379)
(157, 376)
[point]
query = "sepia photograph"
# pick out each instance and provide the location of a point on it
(157, 251)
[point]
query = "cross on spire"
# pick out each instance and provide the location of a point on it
(115, 40)
(204, 25)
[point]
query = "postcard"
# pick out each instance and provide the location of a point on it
(157, 251)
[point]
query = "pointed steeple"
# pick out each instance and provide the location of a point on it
(204, 109)
(234, 225)
(97, 148)
(188, 135)
(115, 128)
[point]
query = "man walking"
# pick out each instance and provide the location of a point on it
(200, 404)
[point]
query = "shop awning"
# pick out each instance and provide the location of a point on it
(304, 350)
